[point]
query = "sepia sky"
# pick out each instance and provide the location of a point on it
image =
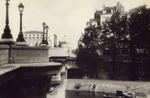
(64, 17)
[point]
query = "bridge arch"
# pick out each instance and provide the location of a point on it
(75, 73)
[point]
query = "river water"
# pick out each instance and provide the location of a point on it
(77, 94)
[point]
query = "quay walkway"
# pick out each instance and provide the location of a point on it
(142, 89)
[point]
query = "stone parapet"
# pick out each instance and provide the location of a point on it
(28, 80)
(49, 68)
(28, 54)
(4, 54)
(7, 73)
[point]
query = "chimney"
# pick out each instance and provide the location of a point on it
(55, 40)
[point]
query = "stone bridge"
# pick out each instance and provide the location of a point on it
(73, 70)
(68, 61)
(25, 72)
(58, 54)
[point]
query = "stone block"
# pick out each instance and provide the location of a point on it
(28, 54)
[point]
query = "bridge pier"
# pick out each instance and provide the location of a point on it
(29, 75)
(25, 87)
(26, 80)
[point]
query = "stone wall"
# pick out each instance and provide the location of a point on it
(124, 70)
(4, 54)
(26, 54)
(141, 91)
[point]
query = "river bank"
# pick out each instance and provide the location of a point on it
(59, 90)
(141, 89)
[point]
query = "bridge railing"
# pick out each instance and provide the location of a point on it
(4, 54)
(28, 54)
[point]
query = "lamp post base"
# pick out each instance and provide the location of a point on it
(21, 44)
(7, 41)
(43, 45)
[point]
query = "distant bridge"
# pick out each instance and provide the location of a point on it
(68, 61)
(71, 64)
(60, 55)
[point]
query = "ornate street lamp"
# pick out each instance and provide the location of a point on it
(43, 41)
(20, 39)
(47, 34)
(7, 36)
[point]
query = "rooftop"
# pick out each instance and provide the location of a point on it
(33, 32)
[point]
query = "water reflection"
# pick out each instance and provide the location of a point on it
(76, 94)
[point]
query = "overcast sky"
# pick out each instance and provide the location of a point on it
(64, 17)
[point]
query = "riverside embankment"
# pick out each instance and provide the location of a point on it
(141, 89)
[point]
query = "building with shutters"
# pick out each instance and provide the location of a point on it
(101, 15)
(34, 38)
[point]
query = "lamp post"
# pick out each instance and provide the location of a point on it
(20, 39)
(43, 41)
(55, 40)
(7, 36)
(47, 34)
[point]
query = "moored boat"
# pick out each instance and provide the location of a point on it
(120, 94)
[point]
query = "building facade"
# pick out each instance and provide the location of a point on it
(101, 15)
(34, 38)
(65, 46)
